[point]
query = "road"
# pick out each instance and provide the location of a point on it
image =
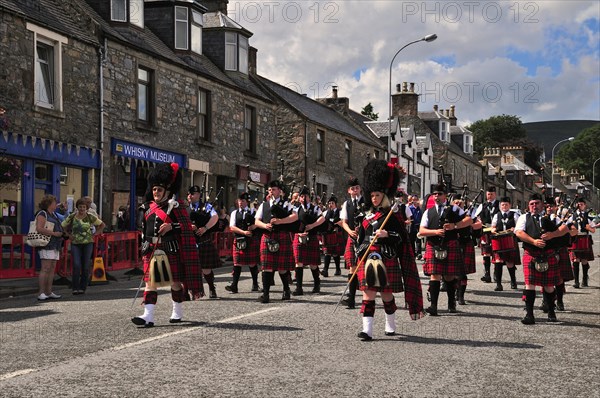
(86, 346)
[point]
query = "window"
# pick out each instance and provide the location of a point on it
(322, 189)
(145, 95)
(443, 132)
(348, 150)
(250, 129)
(203, 115)
(468, 144)
(117, 10)
(230, 51)
(196, 38)
(181, 28)
(376, 154)
(64, 175)
(136, 13)
(320, 146)
(236, 52)
(48, 67)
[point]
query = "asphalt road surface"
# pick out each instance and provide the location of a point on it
(86, 346)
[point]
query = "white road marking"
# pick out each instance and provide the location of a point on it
(191, 329)
(21, 372)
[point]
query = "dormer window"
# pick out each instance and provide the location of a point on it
(236, 52)
(135, 16)
(443, 132)
(468, 144)
(188, 32)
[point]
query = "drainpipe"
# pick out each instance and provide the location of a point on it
(102, 58)
(306, 152)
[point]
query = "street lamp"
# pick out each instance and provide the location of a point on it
(594, 178)
(559, 142)
(428, 38)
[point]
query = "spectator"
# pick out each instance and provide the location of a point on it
(50, 253)
(79, 225)
(417, 213)
(223, 223)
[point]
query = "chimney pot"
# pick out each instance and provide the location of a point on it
(398, 88)
(452, 109)
(412, 88)
(447, 112)
(335, 91)
(435, 107)
(404, 87)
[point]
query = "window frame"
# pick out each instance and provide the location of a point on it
(133, 4)
(185, 30)
(320, 137)
(348, 152)
(204, 133)
(196, 43)
(250, 130)
(149, 97)
(231, 52)
(114, 18)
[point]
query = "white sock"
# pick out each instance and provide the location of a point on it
(148, 313)
(177, 310)
(390, 323)
(368, 325)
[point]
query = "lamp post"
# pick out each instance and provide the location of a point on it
(593, 179)
(559, 142)
(428, 38)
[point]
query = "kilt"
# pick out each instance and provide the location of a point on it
(485, 244)
(513, 256)
(283, 260)
(208, 254)
(250, 255)
(533, 277)
(309, 253)
(350, 254)
(452, 265)
(469, 258)
(394, 276)
(333, 244)
(406, 255)
(578, 255)
(174, 261)
(564, 265)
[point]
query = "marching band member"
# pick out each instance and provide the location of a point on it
(379, 233)
(584, 224)
(167, 226)
(467, 243)
(540, 262)
(246, 245)
(277, 218)
(306, 243)
(442, 250)
(504, 221)
(351, 215)
(333, 244)
(486, 212)
(205, 224)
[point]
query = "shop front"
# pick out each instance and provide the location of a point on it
(31, 167)
(132, 163)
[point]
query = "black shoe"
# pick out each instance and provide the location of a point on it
(452, 310)
(544, 307)
(175, 320)
(142, 322)
(444, 287)
(432, 311)
(212, 293)
(552, 317)
(513, 285)
(263, 298)
(298, 292)
(325, 273)
(350, 304)
(337, 272)
(364, 337)
(498, 288)
(316, 289)
(560, 306)
(390, 333)
(486, 279)
(256, 288)
(576, 285)
(528, 320)
(285, 295)
(230, 288)
(584, 283)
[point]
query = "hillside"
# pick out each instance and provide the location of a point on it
(547, 134)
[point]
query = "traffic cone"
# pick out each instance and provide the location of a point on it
(98, 272)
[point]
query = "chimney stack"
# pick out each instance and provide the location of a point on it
(435, 108)
(405, 103)
(252, 60)
(453, 119)
(334, 91)
(340, 104)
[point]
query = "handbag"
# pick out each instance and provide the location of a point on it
(34, 238)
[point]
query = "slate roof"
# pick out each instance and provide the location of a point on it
(219, 20)
(317, 112)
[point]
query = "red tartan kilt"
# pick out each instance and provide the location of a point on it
(452, 265)
(533, 277)
(585, 254)
(283, 260)
(248, 256)
(208, 254)
(564, 265)
(485, 244)
(173, 263)
(407, 256)
(309, 253)
(333, 244)
(469, 258)
(512, 256)
(394, 276)
(349, 254)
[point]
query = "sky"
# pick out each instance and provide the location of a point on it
(538, 60)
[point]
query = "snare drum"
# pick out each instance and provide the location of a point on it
(503, 242)
(581, 244)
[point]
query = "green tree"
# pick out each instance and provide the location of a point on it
(498, 131)
(581, 153)
(368, 112)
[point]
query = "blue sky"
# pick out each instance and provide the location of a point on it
(537, 60)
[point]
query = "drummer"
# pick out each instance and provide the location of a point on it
(503, 226)
(582, 251)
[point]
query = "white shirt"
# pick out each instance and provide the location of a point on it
(233, 216)
(259, 212)
(497, 216)
(523, 219)
(344, 212)
(425, 219)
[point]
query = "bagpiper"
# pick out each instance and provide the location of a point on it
(582, 250)
(333, 242)
(486, 212)
(168, 246)
(507, 248)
